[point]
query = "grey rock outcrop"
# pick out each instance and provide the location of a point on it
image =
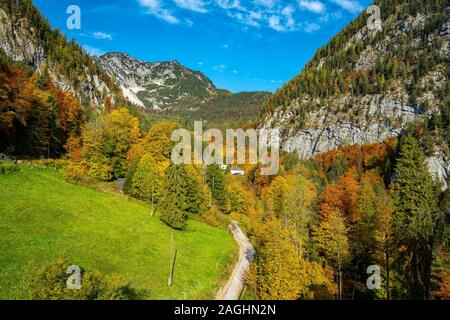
(19, 42)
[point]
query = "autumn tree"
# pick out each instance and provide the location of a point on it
(158, 141)
(147, 181)
(96, 156)
(107, 140)
(332, 241)
(108, 105)
(289, 200)
(362, 236)
(384, 236)
(443, 292)
(282, 272)
(239, 197)
(342, 196)
(123, 131)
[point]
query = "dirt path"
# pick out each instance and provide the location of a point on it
(234, 287)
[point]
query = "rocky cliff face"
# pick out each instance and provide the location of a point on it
(312, 123)
(159, 85)
(20, 41)
(371, 119)
(439, 166)
(377, 119)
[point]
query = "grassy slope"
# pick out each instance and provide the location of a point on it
(43, 217)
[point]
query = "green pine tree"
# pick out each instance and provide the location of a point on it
(175, 203)
(129, 177)
(215, 178)
(340, 166)
(417, 220)
(194, 196)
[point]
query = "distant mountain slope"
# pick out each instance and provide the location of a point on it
(26, 36)
(227, 110)
(168, 90)
(365, 86)
(159, 85)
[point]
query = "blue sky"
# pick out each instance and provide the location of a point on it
(241, 45)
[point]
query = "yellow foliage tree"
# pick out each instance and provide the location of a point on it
(107, 141)
(281, 272)
(332, 241)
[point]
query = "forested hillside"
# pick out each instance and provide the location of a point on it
(36, 116)
(358, 204)
(367, 85)
(321, 225)
(226, 110)
(26, 36)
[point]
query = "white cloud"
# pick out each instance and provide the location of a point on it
(219, 68)
(94, 51)
(275, 23)
(313, 6)
(311, 27)
(250, 18)
(235, 72)
(229, 4)
(288, 15)
(225, 46)
(350, 5)
(102, 35)
(283, 22)
(266, 3)
(154, 7)
(193, 5)
(200, 63)
(279, 15)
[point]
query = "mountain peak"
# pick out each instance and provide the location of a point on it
(157, 85)
(115, 54)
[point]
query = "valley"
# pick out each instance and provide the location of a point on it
(363, 179)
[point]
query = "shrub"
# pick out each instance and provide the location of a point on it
(50, 283)
(7, 166)
(75, 173)
(215, 218)
(102, 171)
(50, 163)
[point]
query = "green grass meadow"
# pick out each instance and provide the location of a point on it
(42, 218)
